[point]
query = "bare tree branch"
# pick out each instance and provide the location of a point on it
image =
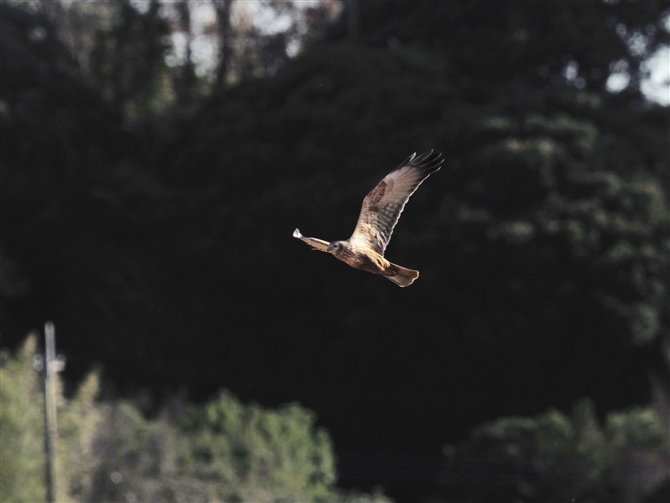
(223, 11)
(188, 78)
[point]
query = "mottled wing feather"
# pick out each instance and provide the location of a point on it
(315, 243)
(384, 204)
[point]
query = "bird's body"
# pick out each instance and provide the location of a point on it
(381, 210)
(361, 257)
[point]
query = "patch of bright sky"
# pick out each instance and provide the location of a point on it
(657, 86)
(266, 20)
(204, 44)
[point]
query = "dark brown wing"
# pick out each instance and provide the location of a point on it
(384, 204)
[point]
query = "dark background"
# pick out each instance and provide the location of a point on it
(148, 210)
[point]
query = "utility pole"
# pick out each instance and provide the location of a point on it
(50, 364)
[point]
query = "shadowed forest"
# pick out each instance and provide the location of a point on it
(155, 159)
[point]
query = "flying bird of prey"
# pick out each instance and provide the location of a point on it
(381, 210)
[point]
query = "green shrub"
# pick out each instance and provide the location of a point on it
(259, 455)
(556, 457)
(21, 427)
(222, 450)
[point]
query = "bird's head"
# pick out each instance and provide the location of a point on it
(335, 247)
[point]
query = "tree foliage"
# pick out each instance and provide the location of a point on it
(559, 457)
(22, 433)
(128, 62)
(70, 191)
(108, 451)
(546, 236)
(578, 43)
(260, 455)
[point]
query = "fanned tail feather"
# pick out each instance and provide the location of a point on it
(403, 277)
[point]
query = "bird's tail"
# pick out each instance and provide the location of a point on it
(401, 276)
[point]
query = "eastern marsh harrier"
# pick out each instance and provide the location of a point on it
(381, 210)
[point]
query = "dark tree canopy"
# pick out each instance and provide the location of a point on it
(489, 44)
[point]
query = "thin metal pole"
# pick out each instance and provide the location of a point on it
(50, 367)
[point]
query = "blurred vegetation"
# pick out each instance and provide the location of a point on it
(128, 63)
(222, 450)
(148, 204)
(22, 433)
(559, 457)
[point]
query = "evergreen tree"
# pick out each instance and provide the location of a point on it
(108, 451)
(558, 457)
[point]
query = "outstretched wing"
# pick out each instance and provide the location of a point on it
(317, 244)
(384, 204)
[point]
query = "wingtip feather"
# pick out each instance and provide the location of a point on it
(429, 162)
